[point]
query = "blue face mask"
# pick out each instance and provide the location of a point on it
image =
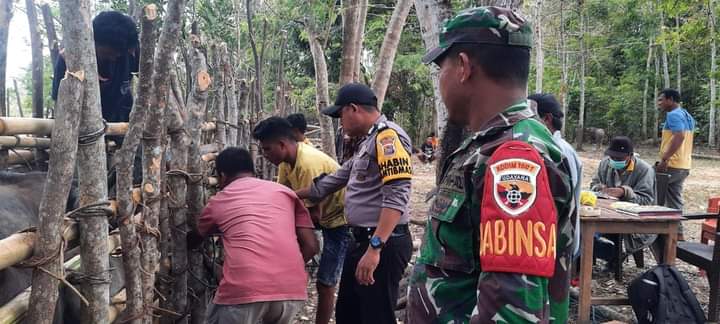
(618, 165)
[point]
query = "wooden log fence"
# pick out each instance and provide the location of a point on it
(19, 246)
(14, 310)
(229, 124)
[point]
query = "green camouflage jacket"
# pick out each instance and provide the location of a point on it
(451, 243)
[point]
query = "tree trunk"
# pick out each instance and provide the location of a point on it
(92, 174)
(37, 60)
(322, 96)
(581, 117)
(231, 102)
(539, 54)
(389, 49)
(713, 86)
(17, 97)
(125, 166)
(177, 186)
(655, 137)
(564, 69)
(152, 150)
(679, 66)
(645, 91)
(349, 60)
(195, 192)
(431, 14)
(258, 99)
(5, 16)
(361, 20)
(666, 68)
(244, 118)
(219, 101)
(280, 108)
(51, 35)
(62, 160)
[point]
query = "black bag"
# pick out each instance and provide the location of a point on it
(661, 295)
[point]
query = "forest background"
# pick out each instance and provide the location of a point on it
(604, 60)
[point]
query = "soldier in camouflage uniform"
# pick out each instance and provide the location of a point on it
(484, 58)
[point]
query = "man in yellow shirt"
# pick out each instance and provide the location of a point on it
(676, 147)
(304, 163)
(298, 128)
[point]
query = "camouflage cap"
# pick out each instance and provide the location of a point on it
(482, 25)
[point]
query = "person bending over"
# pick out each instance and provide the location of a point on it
(267, 237)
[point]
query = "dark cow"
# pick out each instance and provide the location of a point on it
(20, 194)
(596, 136)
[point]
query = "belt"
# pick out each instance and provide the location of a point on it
(362, 234)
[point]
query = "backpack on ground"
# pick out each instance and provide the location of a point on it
(661, 295)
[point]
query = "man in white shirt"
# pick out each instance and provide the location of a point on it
(549, 112)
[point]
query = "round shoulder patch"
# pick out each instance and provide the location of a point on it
(515, 183)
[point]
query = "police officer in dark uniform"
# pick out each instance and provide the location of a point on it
(377, 182)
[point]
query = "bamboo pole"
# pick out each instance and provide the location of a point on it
(19, 246)
(14, 310)
(20, 157)
(24, 141)
(43, 127)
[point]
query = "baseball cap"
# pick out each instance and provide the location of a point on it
(547, 104)
(482, 25)
(351, 93)
(620, 147)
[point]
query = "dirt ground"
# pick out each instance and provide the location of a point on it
(703, 182)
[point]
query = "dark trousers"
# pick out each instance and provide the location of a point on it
(605, 250)
(374, 304)
(674, 197)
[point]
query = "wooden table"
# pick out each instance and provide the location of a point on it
(614, 222)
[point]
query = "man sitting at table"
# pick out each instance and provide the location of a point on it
(624, 176)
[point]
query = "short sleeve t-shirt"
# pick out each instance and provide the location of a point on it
(284, 168)
(678, 120)
(309, 164)
(257, 220)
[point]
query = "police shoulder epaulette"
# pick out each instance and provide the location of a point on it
(382, 126)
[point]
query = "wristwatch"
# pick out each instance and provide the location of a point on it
(376, 243)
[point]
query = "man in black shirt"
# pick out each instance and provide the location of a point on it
(116, 48)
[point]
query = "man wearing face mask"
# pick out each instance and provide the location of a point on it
(116, 49)
(116, 45)
(624, 176)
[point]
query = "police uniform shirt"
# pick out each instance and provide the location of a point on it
(378, 176)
